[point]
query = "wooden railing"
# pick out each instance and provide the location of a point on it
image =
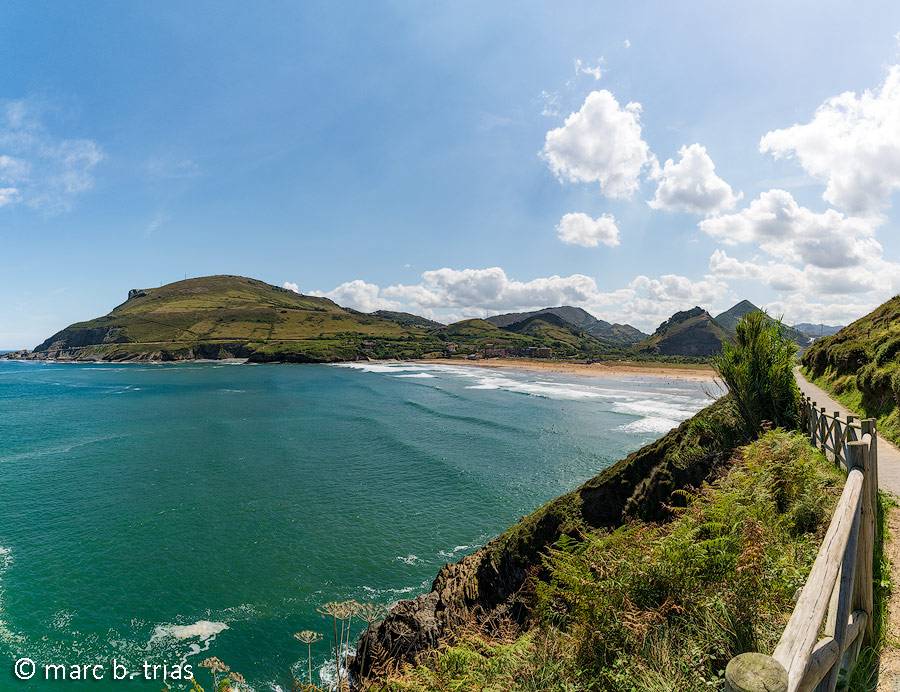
(833, 616)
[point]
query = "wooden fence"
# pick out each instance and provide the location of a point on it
(833, 616)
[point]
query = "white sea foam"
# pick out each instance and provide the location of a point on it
(651, 424)
(203, 630)
(450, 554)
(662, 406)
(418, 375)
(410, 559)
(381, 367)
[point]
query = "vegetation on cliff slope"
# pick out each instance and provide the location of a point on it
(653, 606)
(860, 365)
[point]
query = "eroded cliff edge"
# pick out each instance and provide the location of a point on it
(494, 580)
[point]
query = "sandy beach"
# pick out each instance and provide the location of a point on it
(680, 371)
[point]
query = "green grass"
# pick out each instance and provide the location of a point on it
(661, 607)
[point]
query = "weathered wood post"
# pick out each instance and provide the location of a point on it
(822, 430)
(813, 424)
(754, 672)
(863, 596)
(869, 426)
(836, 436)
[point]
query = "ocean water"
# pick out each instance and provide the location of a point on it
(165, 513)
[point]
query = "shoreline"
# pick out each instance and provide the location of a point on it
(679, 371)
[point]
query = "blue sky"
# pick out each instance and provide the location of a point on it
(452, 159)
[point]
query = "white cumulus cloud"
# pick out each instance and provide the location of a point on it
(580, 229)
(852, 144)
(358, 295)
(291, 286)
(784, 229)
(600, 143)
(452, 294)
(692, 184)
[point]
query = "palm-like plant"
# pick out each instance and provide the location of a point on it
(758, 371)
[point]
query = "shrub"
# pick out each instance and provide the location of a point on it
(895, 387)
(876, 383)
(848, 357)
(888, 351)
(759, 373)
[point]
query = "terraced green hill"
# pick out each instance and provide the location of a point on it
(232, 316)
(407, 319)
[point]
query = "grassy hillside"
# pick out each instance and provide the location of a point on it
(690, 333)
(572, 315)
(407, 319)
(619, 334)
(564, 338)
(861, 366)
(622, 334)
(221, 316)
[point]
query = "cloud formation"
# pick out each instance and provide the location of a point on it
(600, 143)
(37, 167)
(782, 228)
(582, 67)
(852, 144)
(692, 185)
(452, 294)
(580, 229)
(359, 295)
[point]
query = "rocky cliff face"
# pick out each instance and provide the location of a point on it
(494, 579)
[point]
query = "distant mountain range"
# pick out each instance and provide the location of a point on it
(622, 334)
(817, 331)
(218, 317)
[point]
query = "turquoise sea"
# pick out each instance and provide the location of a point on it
(166, 513)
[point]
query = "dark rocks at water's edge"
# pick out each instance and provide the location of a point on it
(16, 355)
(494, 580)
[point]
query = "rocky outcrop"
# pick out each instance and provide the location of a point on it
(495, 579)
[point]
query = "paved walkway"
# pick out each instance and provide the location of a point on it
(888, 454)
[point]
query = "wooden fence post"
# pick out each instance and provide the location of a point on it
(869, 426)
(836, 436)
(754, 672)
(863, 597)
(813, 424)
(823, 430)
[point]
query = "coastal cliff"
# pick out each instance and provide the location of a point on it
(495, 580)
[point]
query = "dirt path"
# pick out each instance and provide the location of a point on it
(888, 479)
